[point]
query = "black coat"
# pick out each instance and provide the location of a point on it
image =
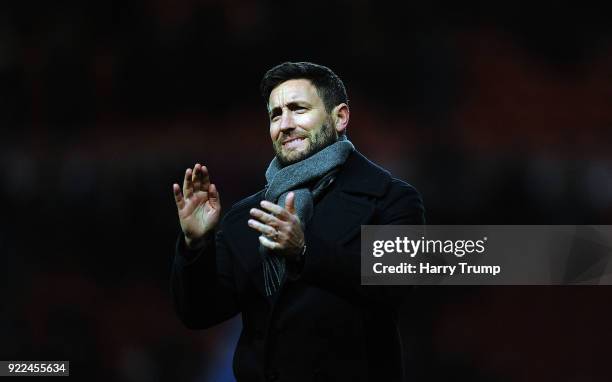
(323, 326)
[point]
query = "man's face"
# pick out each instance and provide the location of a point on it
(299, 124)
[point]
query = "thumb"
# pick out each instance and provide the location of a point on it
(290, 203)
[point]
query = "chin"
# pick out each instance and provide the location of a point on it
(293, 157)
(287, 157)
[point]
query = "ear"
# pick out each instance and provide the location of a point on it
(340, 117)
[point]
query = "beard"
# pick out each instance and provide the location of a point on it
(317, 140)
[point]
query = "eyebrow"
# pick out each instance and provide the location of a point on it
(276, 110)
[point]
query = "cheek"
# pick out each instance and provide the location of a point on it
(274, 131)
(307, 122)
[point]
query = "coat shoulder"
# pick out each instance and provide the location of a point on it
(396, 199)
(399, 186)
(361, 175)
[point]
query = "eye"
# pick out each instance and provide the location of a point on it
(300, 109)
(275, 118)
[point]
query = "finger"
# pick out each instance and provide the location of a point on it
(263, 228)
(268, 243)
(275, 210)
(213, 196)
(196, 177)
(178, 196)
(290, 203)
(188, 184)
(265, 217)
(205, 178)
(201, 178)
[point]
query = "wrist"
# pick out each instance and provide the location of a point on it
(299, 256)
(296, 264)
(199, 242)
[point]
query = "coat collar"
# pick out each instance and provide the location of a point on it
(360, 176)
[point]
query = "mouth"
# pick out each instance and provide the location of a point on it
(292, 143)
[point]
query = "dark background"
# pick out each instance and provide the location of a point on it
(498, 114)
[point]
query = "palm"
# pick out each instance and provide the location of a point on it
(198, 215)
(199, 207)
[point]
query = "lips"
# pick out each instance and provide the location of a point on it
(293, 142)
(291, 139)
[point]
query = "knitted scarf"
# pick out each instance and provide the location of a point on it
(306, 179)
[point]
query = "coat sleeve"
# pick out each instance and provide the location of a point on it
(202, 284)
(337, 267)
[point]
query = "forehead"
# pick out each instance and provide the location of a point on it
(293, 91)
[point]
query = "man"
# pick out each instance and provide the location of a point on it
(288, 257)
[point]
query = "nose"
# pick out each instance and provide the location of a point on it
(287, 122)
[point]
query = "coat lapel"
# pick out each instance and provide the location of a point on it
(339, 215)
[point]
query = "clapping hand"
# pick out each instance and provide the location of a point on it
(280, 228)
(199, 207)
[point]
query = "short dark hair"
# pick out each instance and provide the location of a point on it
(329, 86)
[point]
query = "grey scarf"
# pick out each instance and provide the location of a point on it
(299, 178)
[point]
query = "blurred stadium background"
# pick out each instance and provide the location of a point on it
(498, 113)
